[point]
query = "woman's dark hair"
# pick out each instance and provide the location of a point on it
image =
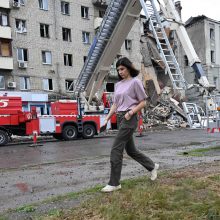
(124, 61)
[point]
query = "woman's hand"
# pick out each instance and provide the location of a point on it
(128, 115)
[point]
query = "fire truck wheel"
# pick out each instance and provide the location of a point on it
(3, 138)
(88, 131)
(69, 132)
(58, 136)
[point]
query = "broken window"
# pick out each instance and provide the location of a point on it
(212, 56)
(65, 8)
(22, 54)
(5, 48)
(128, 44)
(25, 83)
(43, 4)
(44, 30)
(67, 59)
(84, 12)
(215, 81)
(2, 82)
(48, 84)
(66, 34)
(212, 34)
(46, 57)
(186, 61)
(69, 84)
(4, 19)
(85, 37)
(20, 26)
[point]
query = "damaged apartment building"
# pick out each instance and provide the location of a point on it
(204, 33)
(45, 43)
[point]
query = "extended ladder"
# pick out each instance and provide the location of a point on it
(109, 23)
(172, 67)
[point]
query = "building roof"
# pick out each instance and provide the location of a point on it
(193, 20)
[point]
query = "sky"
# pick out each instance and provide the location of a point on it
(209, 8)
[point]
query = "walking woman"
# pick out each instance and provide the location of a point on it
(129, 99)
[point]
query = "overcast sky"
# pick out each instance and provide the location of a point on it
(209, 8)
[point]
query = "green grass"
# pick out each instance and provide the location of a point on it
(26, 208)
(200, 151)
(170, 198)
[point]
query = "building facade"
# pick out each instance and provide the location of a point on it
(6, 60)
(205, 36)
(49, 41)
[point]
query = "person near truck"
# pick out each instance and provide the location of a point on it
(129, 98)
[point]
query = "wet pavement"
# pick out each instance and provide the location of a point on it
(32, 174)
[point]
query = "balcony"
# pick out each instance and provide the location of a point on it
(6, 63)
(5, 32)
(97, 22)
(4, 4)
(100, 3)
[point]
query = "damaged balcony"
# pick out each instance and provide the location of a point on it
(100, 3)
(4, 4)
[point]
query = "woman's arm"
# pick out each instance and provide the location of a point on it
(136, 109)
(111, 112)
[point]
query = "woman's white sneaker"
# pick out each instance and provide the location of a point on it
(154, 172)
(109, 188)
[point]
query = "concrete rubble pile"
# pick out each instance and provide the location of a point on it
(164, 109)
(164, 114)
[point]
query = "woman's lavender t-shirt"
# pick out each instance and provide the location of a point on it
(128, 94)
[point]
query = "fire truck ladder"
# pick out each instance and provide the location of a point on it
(109, 23)
(172, 67)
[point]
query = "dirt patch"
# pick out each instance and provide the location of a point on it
(204, 171)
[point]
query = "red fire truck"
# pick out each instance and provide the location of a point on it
(65, 121)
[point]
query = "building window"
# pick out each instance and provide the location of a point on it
(67, 59)
(101, 13)
(4, 20)
(66, 34)
(25, 83)
(46, 57)
(22, 54)
(212, 56)
(84, 59)
(186, 61)
(84, 12)
(69, 84)
(21, 2)
(20, 26)
(128, 44)
(212, 34)
(5, 48)
(48, 84)
(215, 81)
(65, 8)
(44, 30)
(2, 82)
(43, 4)
(85, 37)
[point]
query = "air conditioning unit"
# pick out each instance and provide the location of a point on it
(16, 4)
(11, 84)
(22, 64)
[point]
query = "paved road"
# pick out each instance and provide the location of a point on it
(30, 174)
